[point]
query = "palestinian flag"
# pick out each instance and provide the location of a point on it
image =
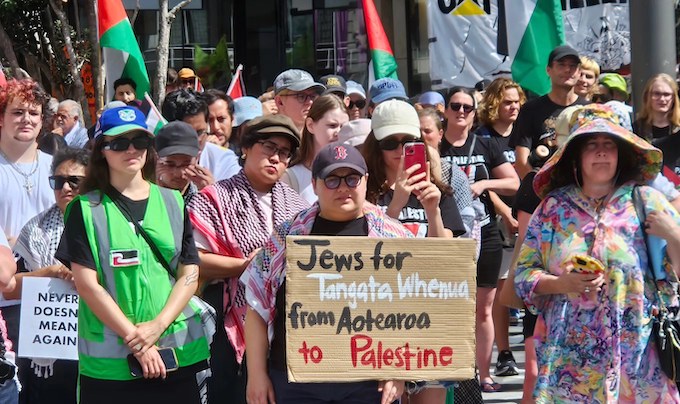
(154, 119)
(536, 29)
(122, 56)
(383, 64)
(237, 88)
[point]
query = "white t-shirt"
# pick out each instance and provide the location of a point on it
(302, 182)
(17, 204)
(221, 162)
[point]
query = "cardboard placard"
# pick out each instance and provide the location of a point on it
(360, 308)
(49, 319)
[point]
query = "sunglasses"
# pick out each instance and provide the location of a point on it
(57, 181)
(123, 143)
(456, 106)
(359, 104)
(392, 144)
(334, 181)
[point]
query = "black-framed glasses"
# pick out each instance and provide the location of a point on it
(391, 143)
(57, 181)
(271, 148)
(123, 143)
(334, 181)
(358, 103)
(456, 106)
(303, 97)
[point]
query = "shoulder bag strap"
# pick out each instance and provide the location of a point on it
(469, 156)
(642, 216)
(126, 212)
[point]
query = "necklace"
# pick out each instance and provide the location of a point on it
(28, 184)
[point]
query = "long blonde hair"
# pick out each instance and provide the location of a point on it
(646, 114)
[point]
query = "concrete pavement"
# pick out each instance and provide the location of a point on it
(512, 385)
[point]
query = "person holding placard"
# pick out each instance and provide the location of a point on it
(232, 220)
(49, 379)
(339, 176)
(130, 246)
(419, 200)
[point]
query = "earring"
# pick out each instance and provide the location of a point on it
(243, 157)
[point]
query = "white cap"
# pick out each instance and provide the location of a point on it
(393, 117)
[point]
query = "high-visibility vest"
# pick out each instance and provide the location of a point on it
(137, 282)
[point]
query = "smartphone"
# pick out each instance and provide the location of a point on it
(414, 153)
(167, 356)
(584, 264)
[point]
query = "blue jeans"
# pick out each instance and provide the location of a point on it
(9, 393)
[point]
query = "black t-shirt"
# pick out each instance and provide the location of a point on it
(486, 156)
(508, 152)
(321, 227)
(653, 132)
(75, 247)
(412, 216)
(670, 146)
(526, 199)
(536, 122)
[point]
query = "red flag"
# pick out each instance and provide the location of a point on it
(198, 86)
(671, 175)
(237, 88)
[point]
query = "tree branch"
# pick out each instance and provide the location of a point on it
(8, 50)
(173, 11)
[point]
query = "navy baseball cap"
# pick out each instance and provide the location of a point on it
(387, 89)
(119, 121)
(337, 155)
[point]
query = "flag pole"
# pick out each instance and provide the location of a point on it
(234, 78)
(153, 106)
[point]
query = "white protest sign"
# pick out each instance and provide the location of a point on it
(472, 40)
(49, 319)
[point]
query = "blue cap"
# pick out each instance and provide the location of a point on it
(119, 121)
(245, 109)
(387, 89)
(431, 98)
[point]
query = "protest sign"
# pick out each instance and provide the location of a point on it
(360, 308)
(49, 319)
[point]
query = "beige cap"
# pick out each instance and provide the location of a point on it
(394, 117)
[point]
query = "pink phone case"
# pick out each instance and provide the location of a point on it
(414, 153)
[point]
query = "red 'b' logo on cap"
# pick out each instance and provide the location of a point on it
(340, 153)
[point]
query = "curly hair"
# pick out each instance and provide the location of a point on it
(25, 89)
(493, 97)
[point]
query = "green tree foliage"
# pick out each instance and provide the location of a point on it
(38, 42)
(214, 69)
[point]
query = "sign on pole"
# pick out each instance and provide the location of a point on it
(360, 308)
(49, 319)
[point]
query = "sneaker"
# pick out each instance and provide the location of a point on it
(514, 317)
(506, 365)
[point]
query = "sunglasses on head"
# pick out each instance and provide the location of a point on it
(142, 142)
(57, 181)
(334, 181)
(391, 143)
(456, 106)
(358, 103)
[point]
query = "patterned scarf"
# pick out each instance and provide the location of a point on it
(228, 214)
(37, 243)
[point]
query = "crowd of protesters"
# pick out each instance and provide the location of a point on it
(140, 222)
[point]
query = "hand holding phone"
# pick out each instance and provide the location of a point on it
(585, 264)
(414, 153)
(167, 356)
